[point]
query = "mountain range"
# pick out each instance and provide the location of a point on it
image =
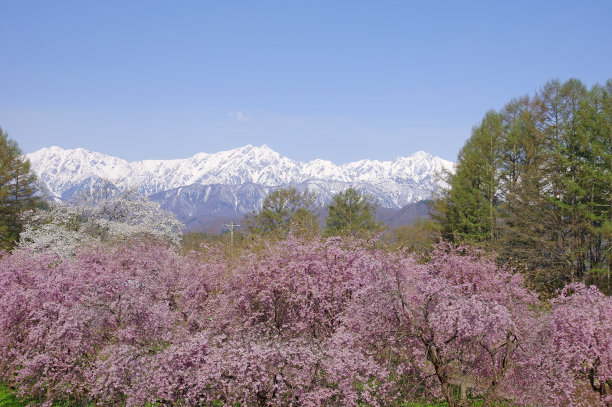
(234, 182)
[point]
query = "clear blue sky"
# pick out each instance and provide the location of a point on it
(311, 79)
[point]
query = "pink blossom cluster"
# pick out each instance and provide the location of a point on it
(298, 323)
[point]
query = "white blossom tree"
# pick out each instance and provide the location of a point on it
(65, 226)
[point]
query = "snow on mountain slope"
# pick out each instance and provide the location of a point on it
(61, 170)
(393, 183)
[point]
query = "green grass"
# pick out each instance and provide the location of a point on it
(8, 398)
(474, 403)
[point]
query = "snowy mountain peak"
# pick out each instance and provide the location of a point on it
(421, 154)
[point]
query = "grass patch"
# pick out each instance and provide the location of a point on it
(9, 399)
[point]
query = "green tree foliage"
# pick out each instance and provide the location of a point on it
(17, 188)
(352, 213)
(469, 208)
(534, 183)
(418, 237)
(286, 210)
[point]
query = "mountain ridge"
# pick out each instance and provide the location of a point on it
(234, 182)
(62, 168)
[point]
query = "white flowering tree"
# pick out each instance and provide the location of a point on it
(64, 227)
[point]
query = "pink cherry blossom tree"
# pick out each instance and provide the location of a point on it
(456, 320)
(568, 360)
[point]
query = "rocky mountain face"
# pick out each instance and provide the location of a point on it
(234, 182)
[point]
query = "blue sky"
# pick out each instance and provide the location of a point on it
(311, 79)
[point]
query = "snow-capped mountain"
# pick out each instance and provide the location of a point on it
(235, 181)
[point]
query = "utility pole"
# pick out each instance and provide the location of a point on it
(231, 228)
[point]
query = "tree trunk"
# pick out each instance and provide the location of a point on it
(442, 374)
(447, 392)
(463, 385)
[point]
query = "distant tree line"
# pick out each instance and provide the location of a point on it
(534, 184)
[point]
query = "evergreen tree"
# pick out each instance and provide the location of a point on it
(352, 213)
(595, 148)
(467, 210)
(527, 219)
(534, 183)
(17, 188)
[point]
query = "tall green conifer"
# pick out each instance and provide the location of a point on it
(17, 188)
(352, 213)
(468, 209)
